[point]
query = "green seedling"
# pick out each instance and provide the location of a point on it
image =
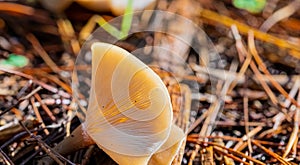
(253, 6)
(125, 26)
(14, 60)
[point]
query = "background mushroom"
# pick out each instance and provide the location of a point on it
(117, 7)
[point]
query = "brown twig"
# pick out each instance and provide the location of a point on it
(25, 10)
(230, 156)
(38, 115)
(194, 137)
(295, 131)
(32, 71)
(54, 155)
(295, 49)
(241, 144)
(20, 100)
(197, 122)
(232, 151)
(42, 84)
(17, 8)
(242, 53)
(56, 80)
(213, 112)
(246, 116)
(294, 148)
(280, 14)
(40, 50)
(45, 108)
(280, 117)
(272, 154)
(67, 32)
(269, 8)
(263, 67)
(241, 123)
(215, 106)
(6, 159)
(24, 88)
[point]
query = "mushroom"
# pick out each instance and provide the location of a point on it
(129, 114)
(117, 7)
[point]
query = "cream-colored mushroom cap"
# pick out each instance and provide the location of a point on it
(167, 152)
(130, 113)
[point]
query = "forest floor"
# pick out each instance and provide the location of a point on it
(243, 82)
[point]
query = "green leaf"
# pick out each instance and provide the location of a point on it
(127, 19)
(253, 6)
(14, 60)
(109, 28)
(125, 26)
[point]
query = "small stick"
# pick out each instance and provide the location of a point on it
(42, 84)
(241, 123)
(239, 146)
(70, 115)
(292, 93)
(242, 54)
(56, 80)
(295, 131)
(47, 69)
(7, 160)
(53, 154)
(265, 70)
(272, 154)
(31, 93)
(207, 155)
(213, 112)
(208, 14)
(280, 116)
(269, 8)
(67, 32)
(16, 134)
(89, 27)
(40, 50)
(230, 156)
(295, 147)
(20, 100)
(45, 108)
(17, 8)
(215, 105)
(38, 116)
(25, 10)
(232, 151)
(246, 116)
(194, 137)
(280, 14)
(197, 122)
(24, 88)
(263, 83)
(44, 55)
(221, 74)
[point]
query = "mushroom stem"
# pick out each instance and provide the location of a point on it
(77, 140)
